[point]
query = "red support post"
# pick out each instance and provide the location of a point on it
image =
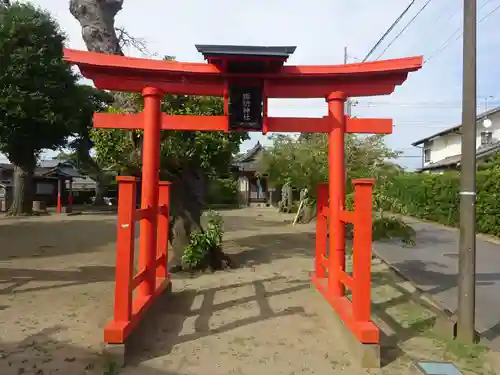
(362, 245)
(59, 195)
(150, 180)
(125, 249)
(336, 184)
(162, 245)
(321, 231)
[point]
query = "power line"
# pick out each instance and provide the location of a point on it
(404, 28)
(453, 37)
(421, 105)
(436, 19)
(453, 14)
(389, 30)
(369, 104)
(489, 13)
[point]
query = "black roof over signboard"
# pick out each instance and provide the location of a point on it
(213, 50)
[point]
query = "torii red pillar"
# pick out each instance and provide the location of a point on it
(150, 180)
(336, 186)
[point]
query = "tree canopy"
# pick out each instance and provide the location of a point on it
(212, 151)
(37, 88)
(304, 161)
(37, 91)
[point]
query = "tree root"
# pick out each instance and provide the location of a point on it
(216, 260)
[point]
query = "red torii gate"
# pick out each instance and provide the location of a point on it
(245, 77)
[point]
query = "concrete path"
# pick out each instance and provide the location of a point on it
(433, 265)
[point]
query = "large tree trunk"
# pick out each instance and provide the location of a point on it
(97, 18)
(22, 203)
(188, 194)
(187, 202)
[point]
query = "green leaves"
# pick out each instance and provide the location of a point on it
(304, 162)
(436, 197)
(212, 151)
(202, 243)
(38, 94)
(222, 191)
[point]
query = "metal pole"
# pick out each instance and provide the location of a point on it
(467, 247)
(348, 101)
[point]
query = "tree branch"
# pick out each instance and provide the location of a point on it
(126, 40)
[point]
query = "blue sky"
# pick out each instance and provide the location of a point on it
(429, 101)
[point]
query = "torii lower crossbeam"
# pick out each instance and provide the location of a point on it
(219, 123)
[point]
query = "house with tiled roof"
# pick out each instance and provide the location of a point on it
(253, 188)
(442, 151)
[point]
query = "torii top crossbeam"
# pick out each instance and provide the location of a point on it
(122, 73)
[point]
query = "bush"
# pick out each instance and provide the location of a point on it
(223, 191)
(388, 227)
(384, 227)
(204, 243)
(436, 197)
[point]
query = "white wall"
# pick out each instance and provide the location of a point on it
(450, 144)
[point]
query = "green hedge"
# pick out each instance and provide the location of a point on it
(435, 197)
(223, 191)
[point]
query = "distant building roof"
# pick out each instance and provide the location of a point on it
(456, 128)
(452, 161)
(246, 161)
(51, 163)
(50, 168)
(6, 166)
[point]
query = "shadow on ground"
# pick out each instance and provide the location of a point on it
(162, 328)
(434, 282)
(259, 222)
(16, 279)
(266, 248)
(393, 333)
(42, 354)
(45, 237)
(443, 287)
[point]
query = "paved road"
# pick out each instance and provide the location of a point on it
(433, 265)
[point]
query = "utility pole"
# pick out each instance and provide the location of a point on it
(486, 102)
(348, 101)
(467, 248)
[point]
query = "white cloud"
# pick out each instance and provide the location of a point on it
(320, 29)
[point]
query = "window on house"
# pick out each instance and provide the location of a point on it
(427, 155)
(486, 138)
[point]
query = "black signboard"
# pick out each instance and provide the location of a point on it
(245, 107)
